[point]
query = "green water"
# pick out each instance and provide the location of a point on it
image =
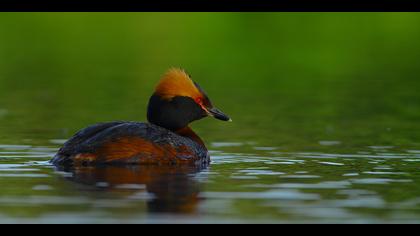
(325, 109)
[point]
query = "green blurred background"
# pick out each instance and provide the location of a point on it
(286, 79)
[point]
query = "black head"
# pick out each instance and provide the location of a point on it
(179, 101)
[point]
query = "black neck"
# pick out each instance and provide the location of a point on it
(173, 114)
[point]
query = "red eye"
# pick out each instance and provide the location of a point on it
(199, 101)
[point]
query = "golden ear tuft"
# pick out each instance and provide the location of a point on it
(176, 82)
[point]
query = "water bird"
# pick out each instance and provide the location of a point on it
(166, 139)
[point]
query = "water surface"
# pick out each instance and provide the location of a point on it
(380, 185)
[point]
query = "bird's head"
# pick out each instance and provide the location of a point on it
(178, 101)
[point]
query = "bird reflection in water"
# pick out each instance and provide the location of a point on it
(173, 189)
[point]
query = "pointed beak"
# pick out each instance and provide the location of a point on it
(216, 113)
